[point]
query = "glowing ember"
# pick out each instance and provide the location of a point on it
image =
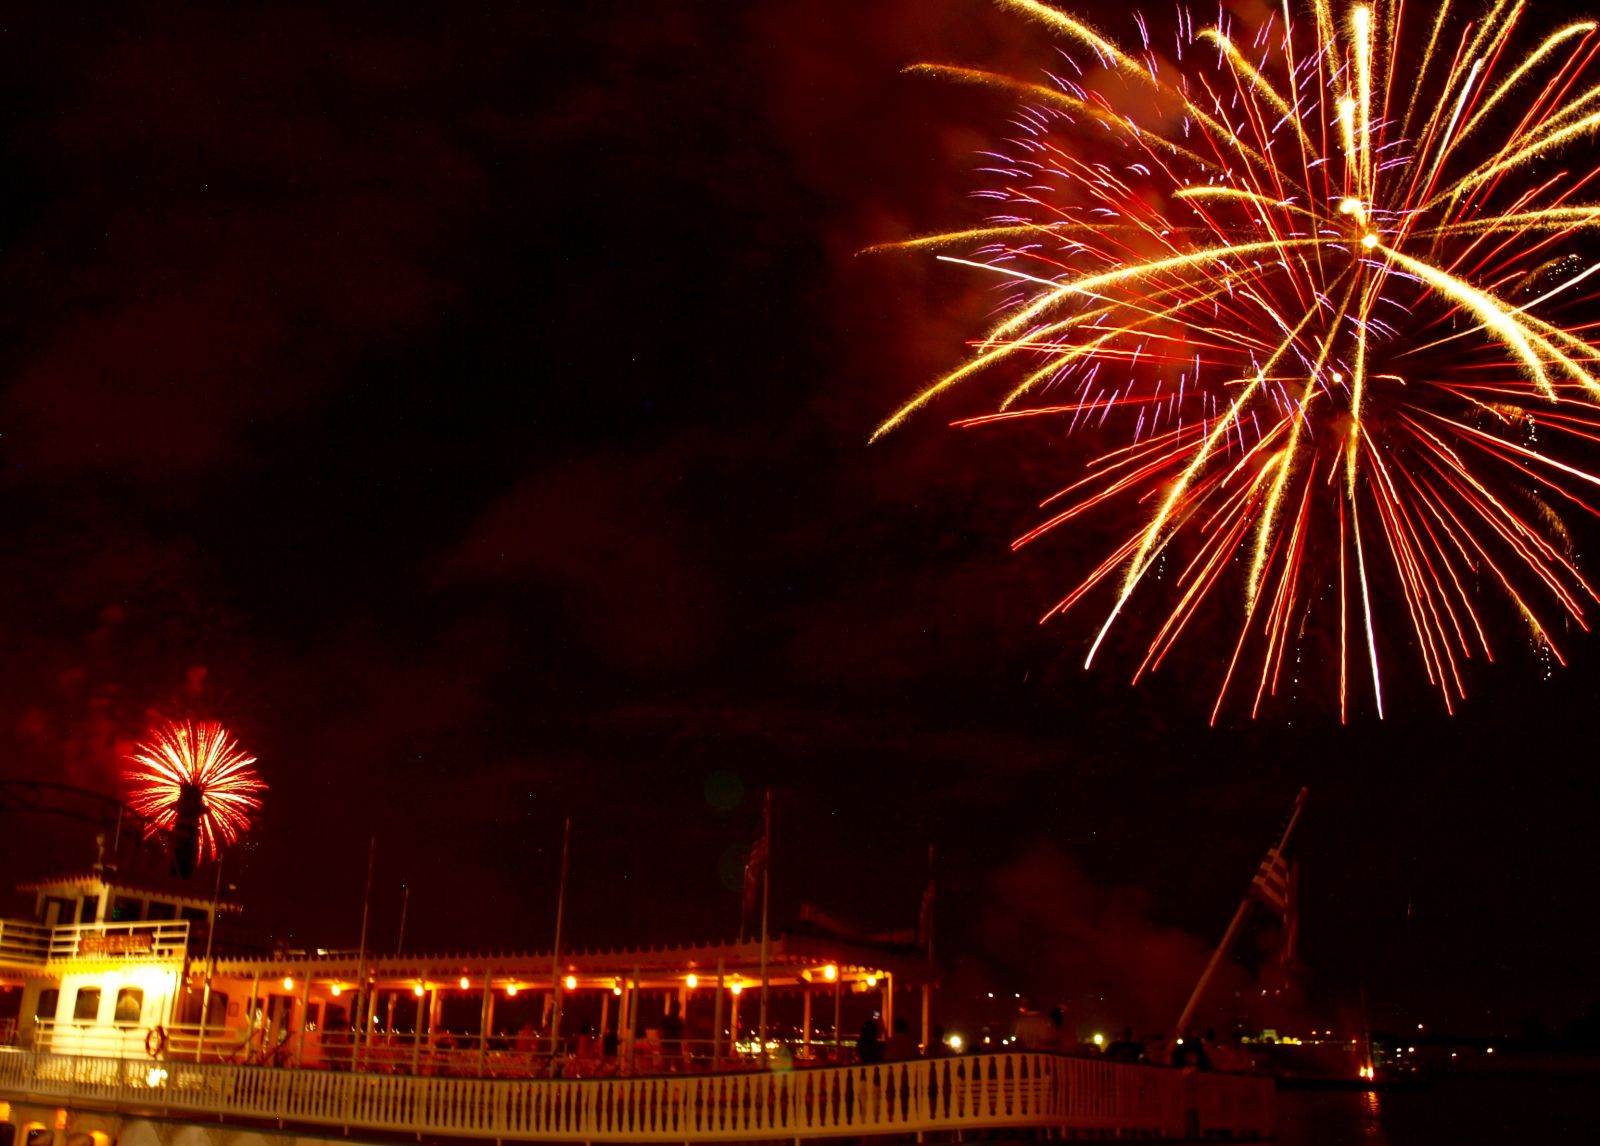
(1324, 289)
(193, 776)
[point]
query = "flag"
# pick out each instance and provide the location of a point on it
(1271, 885)
(755, 867)
(752, 875)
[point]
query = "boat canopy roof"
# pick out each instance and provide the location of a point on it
(793, 959)
(79, 883)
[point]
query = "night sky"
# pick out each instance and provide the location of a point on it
(471, 408)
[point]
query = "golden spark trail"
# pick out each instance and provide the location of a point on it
(1533, 61)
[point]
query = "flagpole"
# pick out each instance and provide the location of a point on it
(744, 906)
(555, 952)
(211, 962)
(1233, 927)
(1211, 968)
(405, 906)
(361, 963)
(926, 921)
(766, 893)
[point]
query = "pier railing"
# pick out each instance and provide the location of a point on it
(974, 1092)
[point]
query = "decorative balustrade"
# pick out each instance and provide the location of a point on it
(975, 1092)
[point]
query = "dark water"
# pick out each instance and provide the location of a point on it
(1493, 1110)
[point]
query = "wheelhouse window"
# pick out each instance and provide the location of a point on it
(130, 1005)
(125, 910)
(49, 1000)
(199, 922)
(86, 1007)
(57, 911)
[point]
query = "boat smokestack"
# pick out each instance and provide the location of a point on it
(186, 831)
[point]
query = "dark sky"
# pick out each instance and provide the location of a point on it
(472, 409)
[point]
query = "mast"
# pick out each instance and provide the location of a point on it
(766, 893)
(555, 951)
(361, 963)
(1238, 920)
(925, 925)
(211, 962)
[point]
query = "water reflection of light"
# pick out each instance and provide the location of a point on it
(1372, 1116)
(1340, 1118)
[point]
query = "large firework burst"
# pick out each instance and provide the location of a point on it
(192, 779)
(1334, 291)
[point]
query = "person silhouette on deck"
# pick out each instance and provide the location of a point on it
(901, 1044)
(869, 1047)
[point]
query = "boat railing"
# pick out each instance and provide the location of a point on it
(531, 1056)
(143, 941)
(439, 1054)
(22, 941)
(132, 1041)
(967, 1093)
(462, 1056)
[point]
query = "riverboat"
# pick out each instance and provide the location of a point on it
(127, 1020)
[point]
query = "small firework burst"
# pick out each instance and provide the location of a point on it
(192, 779)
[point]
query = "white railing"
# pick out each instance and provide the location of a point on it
(23, 942)
(968, 1093)
(129, 1040)
(151, 940)
(445, 1053)
(53, 1036)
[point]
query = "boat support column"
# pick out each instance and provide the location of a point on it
(305, 1021)
(838, 1011)
(716, 1022)
(486, 1017)
(633, 1017)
